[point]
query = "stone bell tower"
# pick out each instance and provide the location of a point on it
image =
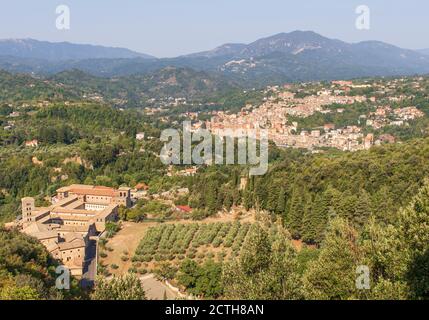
(28, 206)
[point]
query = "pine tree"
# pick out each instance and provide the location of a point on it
(295, 214)
(211, 198)
(255, 253)
(310, 222)
(362, 210)
(346, 205)
(272, 197)
(259, 195)
(383, 206)
(333, 274)
(316, 219)
(227, 199)
(248, 199)
(413, 232)
(265, 269)
(281, 201)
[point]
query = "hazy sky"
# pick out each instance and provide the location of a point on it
(172, 27)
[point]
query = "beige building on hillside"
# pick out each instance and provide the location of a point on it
(77, 215)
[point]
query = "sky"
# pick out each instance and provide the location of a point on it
(167, 28)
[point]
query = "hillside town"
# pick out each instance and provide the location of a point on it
(277, 110)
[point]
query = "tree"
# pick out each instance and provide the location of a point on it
(248, 199)
(265, 269)
(18, 293)
(284, 278)
(316, 218)
(309, 221)
(362, 210)
(126, 287)
(255, 254)
(166, 271)
(209, 283)
(188, 273)
(413, 234)
(202, 280)
(27, 270)
(198, 214)
(295, 214)
(281, 201)
(346, 205)
(112, 228)
(333, 274)
(2, 198)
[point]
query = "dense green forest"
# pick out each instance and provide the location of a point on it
(26, 88)
(396, 255)
(306, 190)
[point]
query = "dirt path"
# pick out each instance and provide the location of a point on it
(157, 290)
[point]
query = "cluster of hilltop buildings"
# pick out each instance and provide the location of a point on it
(78, 215)
(349, 138)
(386, 116)
(275, 114)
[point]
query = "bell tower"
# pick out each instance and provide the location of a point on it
(28, 206)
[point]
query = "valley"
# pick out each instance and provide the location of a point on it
(83, 183)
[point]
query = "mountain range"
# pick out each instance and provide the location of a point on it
(424, 51)
(285, 57)
(62, 51)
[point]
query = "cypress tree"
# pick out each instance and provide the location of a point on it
(333, 274)
(295, 214)
(362, 210)
(281, 201)
(255, 254)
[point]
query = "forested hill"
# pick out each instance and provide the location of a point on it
(23, 87)
(309, 190)
(164, 83)
(129, 91)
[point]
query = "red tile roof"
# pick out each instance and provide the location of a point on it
(142, 186)
(96, 191)
(184, 208)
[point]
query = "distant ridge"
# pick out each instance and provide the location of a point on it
(284, 57)
(62, 51)
(424, 51)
